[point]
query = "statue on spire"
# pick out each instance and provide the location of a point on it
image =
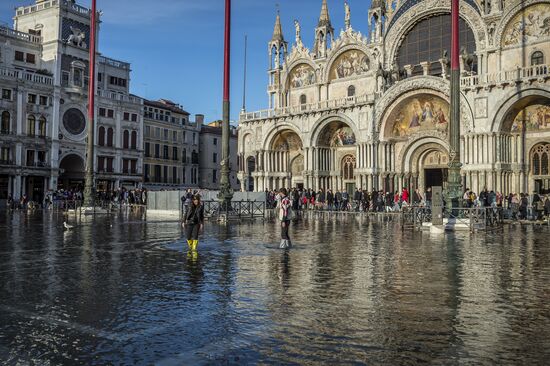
(298, 32)
(348, 15)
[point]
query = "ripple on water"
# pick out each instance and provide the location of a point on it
(351, 291)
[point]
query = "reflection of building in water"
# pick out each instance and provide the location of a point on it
(387, 92)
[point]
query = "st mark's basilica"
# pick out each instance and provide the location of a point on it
(372, 110)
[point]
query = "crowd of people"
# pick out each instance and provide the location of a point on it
(517, 206)
(64, 198)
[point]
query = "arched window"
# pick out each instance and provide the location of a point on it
(5, 122)
(134, 140)
(101, 136)
(42, 126)
(110, 137)
(303, 99)
(540, 159)
(348, 166)
(126, 139)
(31, 125)
(537, 58)
(426, 41)
(536, 164)
(351, 91)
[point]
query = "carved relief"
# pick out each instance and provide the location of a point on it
(297, 166)
(481, 107)
(528, 25)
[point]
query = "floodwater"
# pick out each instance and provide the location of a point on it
(123, 291)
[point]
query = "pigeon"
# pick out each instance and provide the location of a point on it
(67, 226)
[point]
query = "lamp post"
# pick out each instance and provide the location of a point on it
(89, 182)
(226, 193)
(454, 180)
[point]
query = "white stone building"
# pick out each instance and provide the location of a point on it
(171, 146)
(43, 73)
(372, 110)
(211, 153)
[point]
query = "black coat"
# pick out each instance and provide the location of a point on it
(194, 215)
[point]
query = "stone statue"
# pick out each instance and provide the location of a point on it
(445, 63)
(298, 32)
(77, 38)
(348, 15)
(467, 59)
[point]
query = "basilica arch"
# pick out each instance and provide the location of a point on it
(72, 169)
(425, 164)
(333, 149)
(281, 157)
(400, 26)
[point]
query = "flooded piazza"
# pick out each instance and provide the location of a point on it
(353, 290)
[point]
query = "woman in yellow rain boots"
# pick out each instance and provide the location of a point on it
(193, 222)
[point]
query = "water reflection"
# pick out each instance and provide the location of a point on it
(351, 290)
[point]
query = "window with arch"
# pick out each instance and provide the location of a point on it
(537, 58)
(134, 140)
(351, 91)
(31, 125)
(426, 41)
(42, 126)
(540, 159)
(126, 139)
(101, 136)
(348, 167)
(303, 99)
(110, 137)
(5, 128)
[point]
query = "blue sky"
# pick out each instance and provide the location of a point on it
(176, 46)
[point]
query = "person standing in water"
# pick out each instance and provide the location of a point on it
(284, 206)
(193, 223)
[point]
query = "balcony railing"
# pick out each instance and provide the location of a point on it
(37, 164)
(23, 10)
(304, 108)
(6, 162)
(113, 62)
(20, 35)
(26, 76)
(506, 77)
(119, 97)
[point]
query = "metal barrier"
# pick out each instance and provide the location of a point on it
(475, 218)
(238, 209)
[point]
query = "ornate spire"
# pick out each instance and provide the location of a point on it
(347, 11)
(278, 30)
(324, 18)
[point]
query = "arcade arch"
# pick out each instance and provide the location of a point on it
(72, 170)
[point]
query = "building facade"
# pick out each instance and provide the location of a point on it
(171, 146)
(210, 156)
(372, 111)
(43, 73)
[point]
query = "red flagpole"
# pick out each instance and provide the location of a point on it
(89, 182)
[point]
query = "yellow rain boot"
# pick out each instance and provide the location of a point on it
(194, 245)
(189, 244)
